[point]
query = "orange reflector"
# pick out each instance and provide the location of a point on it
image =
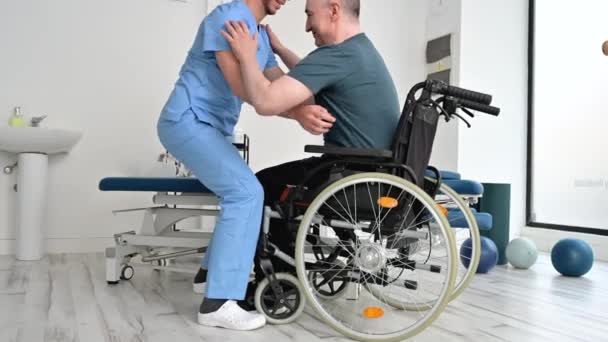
(387, 202)
(373, 312)
(443, 209)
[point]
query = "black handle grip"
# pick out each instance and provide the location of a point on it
(470, 95)
(479, 107)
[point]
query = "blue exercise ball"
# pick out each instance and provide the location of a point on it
(572, 257)
(488, 257)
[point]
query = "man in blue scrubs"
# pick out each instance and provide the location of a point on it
(195, 125)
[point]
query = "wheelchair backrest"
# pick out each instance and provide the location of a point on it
(413, 139)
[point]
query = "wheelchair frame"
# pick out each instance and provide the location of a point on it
(407, 160)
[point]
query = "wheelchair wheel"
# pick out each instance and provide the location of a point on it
(461, 216)
(282, 306)
(384, 234)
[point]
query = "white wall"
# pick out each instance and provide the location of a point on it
(444, 18)
(107, 67)
(103, 67)
(493, 57)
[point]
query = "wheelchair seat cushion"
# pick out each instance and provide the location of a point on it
(153, 184)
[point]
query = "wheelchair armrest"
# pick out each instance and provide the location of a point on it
(349, 152)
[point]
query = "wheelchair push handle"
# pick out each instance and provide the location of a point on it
(433, 86)
(467, 95)
(479, 107)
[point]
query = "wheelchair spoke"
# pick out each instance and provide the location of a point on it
(407, 293)
(338, 244)
(291, 306)
(372, 204)
(348, 205)
(355, 191)
(352, 220)
(388, 212)
(337, 213)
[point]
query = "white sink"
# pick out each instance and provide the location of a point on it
(33, 145)
(37, 140)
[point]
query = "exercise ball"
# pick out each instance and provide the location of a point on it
(488, 257)
(572, 257)
(521, 253)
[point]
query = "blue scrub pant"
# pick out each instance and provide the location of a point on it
(220, 167)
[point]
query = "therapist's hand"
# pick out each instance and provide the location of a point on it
(243, 45)
(313, 118)
(275, 43)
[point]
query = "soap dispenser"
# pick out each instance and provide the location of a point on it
(17, 119)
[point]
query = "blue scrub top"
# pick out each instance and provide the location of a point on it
(201, 86)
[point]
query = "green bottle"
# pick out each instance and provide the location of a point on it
(17, 119)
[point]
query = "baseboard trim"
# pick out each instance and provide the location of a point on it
(545, 239)
(76, 245)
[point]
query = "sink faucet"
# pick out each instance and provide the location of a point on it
(9, 168)
(35, 121)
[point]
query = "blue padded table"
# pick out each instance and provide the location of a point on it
(457, 219)
(465, 187)
(443, 173)
(153, 184)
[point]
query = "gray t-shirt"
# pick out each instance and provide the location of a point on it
(352, 82)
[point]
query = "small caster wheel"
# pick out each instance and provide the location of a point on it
(283, 307)
(328, 286)
(112, 282)
(127, 273)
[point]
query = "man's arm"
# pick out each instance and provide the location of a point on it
(271, 98)
(274, 74)
(230, 67)
(271, 74)
(314, 119)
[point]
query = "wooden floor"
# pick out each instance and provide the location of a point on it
(65, 298)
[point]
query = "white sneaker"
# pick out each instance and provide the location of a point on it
(231, 316)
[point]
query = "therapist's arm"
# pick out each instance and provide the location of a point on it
(231, 69)
(270, 98)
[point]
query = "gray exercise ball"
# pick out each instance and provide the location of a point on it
(521, 253)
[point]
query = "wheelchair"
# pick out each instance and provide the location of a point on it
(373, 251)
(374, 255)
